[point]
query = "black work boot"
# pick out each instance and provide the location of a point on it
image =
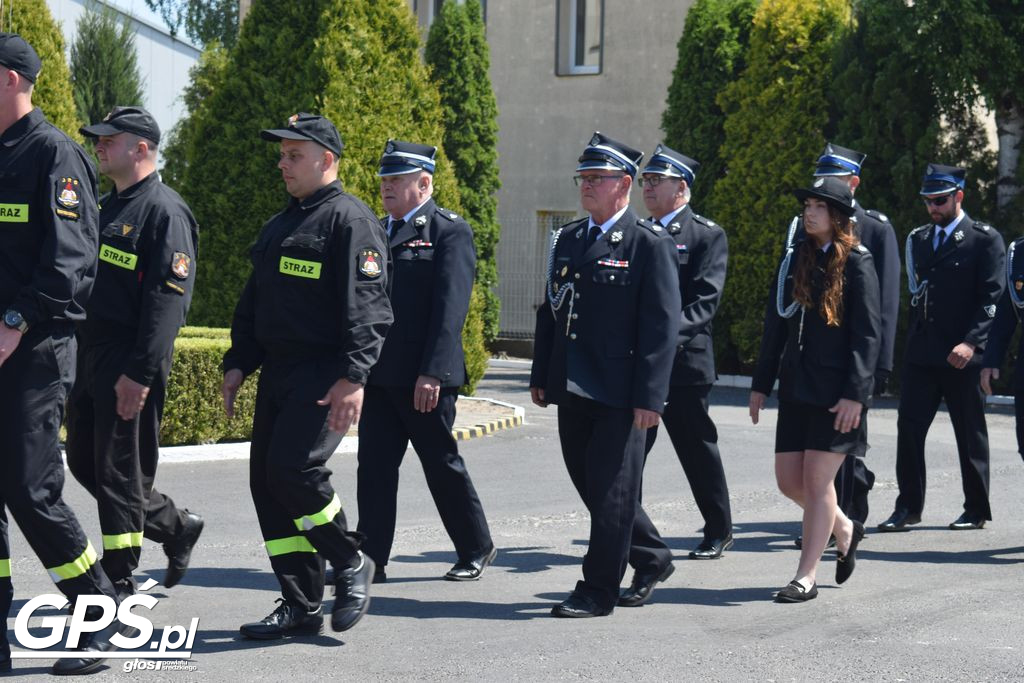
(286, 620)
(179, 551)
(94, 646)
(353, 594)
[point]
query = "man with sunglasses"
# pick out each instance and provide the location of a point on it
(955, 274)
(603, 350)
(702, 251)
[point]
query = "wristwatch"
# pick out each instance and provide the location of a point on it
(14, 321)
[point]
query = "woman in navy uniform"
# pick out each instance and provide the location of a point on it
(824, 348)
(1008, 313)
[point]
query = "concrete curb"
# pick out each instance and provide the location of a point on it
(349, 444)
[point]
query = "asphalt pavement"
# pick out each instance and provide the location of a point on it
(929, 604)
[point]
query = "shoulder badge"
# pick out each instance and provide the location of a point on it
(180, 263)
(450, 215)
(878, 215)
(369, 263)
(984, 227)
(862, 249)
(67, 193)
(707, 222)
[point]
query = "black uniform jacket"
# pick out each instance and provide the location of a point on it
(965, 279)
(821, 364)
(145, 276)
(1007, 316)
(318, 287)
(615, 335)
(48, 219)
(877, 234)
(703, 252)
(433, 261)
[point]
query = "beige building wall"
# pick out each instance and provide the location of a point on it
(546, 120)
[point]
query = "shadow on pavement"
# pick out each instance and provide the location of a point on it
(230, 641)
(984, 556)
(455, 609)
(521, 560)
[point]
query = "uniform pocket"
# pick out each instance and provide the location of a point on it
(617, 277)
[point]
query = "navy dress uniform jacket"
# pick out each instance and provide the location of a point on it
(614, 337)
(965, 279)
(702, 242)
(1007, 317)
(433, 261)
(821, 364)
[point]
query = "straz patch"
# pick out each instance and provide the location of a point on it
(612, 263)
(369, 263)
(13, 213)
(180, 263)
(116, 257)
(67, 193)
(300, 268)
(418, 243)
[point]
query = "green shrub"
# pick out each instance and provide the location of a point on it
(473, 342)
(194, 410)
(205, 332)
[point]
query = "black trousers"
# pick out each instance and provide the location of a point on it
(300, 515)
(604, 454)
(922, 390)
(387, 425)
(1018, 409)
(116, 460)
(6, 588)
(34, 383)
(853, 481)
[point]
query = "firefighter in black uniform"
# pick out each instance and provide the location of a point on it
(313, 316)
(413, 387)
(703, 251)
(604, 344)
(955, 275)
(143, 288)
(1008, 314)
(48, 246)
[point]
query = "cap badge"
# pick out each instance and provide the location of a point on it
(958, 235)
(596, 140)
(657, 150)
(292, 119)
(389, 148)
(819, 182)
(109, 115)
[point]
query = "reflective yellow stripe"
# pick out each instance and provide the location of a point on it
(292, 544)
(299, 268)
(76, 567)
(5, 569)
(13, 213)
(317, 518)
(121, 259)
(132, 539)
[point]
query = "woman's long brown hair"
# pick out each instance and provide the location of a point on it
(843, 240)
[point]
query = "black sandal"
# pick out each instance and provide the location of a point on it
(795, 592)
(845, 564)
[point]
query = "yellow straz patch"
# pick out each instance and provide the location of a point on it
(13, 213)
(116, 257)
(369, 263)
(300, 268)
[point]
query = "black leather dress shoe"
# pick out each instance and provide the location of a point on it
(846, 563)
(899, 520)
(286, 620)
(93, 650)
(966, 521)
(470, 570)
(640, 589)
(795, 592)
(353, 594)
(179, 550)
(578, 606)
(711, 548)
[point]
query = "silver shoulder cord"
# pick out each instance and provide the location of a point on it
(1014, 297)
(557, 296)
(917, 289)
(780, 285)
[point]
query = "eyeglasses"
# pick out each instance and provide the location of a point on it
(593, 180)
(655, 180)
(936, 201)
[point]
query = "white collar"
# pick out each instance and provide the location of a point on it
(409, 215)
(607, 225)
(668, 217)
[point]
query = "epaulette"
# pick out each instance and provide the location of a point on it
(707, 222)
(984, 227)
(450, 215)
(861, 248)
(877, 215)
(918, 229)
(656, 229)
(578, 225)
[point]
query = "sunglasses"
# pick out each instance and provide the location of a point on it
(937, 201)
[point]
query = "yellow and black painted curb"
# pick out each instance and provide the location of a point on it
(463, 433)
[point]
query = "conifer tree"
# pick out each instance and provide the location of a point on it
(459, 57)
(104, 67)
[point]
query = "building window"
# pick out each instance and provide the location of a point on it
(579, 40)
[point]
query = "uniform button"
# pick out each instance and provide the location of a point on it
(575, 315)
(572, 336)
(577, 296)
(611, 277)
(576, 275)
